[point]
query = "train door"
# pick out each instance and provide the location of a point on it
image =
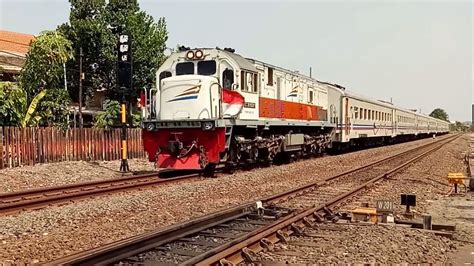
(227, 78)
(249, 88)
(278, 92)
(347, 120)
(333, 118)
(394, 123)
(279, 103)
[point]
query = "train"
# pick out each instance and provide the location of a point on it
(212, 106)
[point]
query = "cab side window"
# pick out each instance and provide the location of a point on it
(227, 78)
(165, 74)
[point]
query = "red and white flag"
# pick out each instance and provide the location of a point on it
(232, 103)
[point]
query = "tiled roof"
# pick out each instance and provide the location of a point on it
(14, 42)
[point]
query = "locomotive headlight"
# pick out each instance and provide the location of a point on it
(150, 126)
(198, 54)
(208, 125)
(190, 55)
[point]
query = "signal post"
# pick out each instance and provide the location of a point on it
(124, 82)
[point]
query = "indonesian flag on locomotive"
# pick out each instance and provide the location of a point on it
(232, 103)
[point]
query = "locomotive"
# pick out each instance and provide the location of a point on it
(212, 106)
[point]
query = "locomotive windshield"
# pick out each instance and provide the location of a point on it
(186, 68)
(205, 68)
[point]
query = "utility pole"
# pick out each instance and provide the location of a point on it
(310, 70)
(81, 76)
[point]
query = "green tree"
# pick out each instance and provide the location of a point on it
(148, 43)
(440, 114)
(88, 30)
(43, 70)
(12, 102)
(109, 117)
(13, 106)
(458, 126)
(95, 26)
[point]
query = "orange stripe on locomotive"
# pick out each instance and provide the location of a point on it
(273, 108)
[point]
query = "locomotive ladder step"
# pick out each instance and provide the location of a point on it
(228, 135)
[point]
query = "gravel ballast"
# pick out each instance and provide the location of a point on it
(54, 174)
(427, 179)
(55, 232)
(343, 244)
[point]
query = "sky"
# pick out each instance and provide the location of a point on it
(417, 53)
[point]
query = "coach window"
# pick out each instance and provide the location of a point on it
(186, 68)
(206, 68)
(365, 114)
(369, 117)
(270, 77)
(373, 115)
(165, 74)
(356, 112)
(311, 96)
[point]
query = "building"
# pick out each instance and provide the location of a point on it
(13, 49)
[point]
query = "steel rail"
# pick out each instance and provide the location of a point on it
(127, 247)
(29, 199)
(124, 248)
(273, 199)
(14, 202)
(231, 253)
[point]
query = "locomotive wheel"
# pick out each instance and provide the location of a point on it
(209, 170)
(229, 168)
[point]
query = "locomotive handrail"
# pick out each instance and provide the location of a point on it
(151, 105)
(219, 105)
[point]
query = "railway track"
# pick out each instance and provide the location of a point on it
(238, 234)
(31, 199)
